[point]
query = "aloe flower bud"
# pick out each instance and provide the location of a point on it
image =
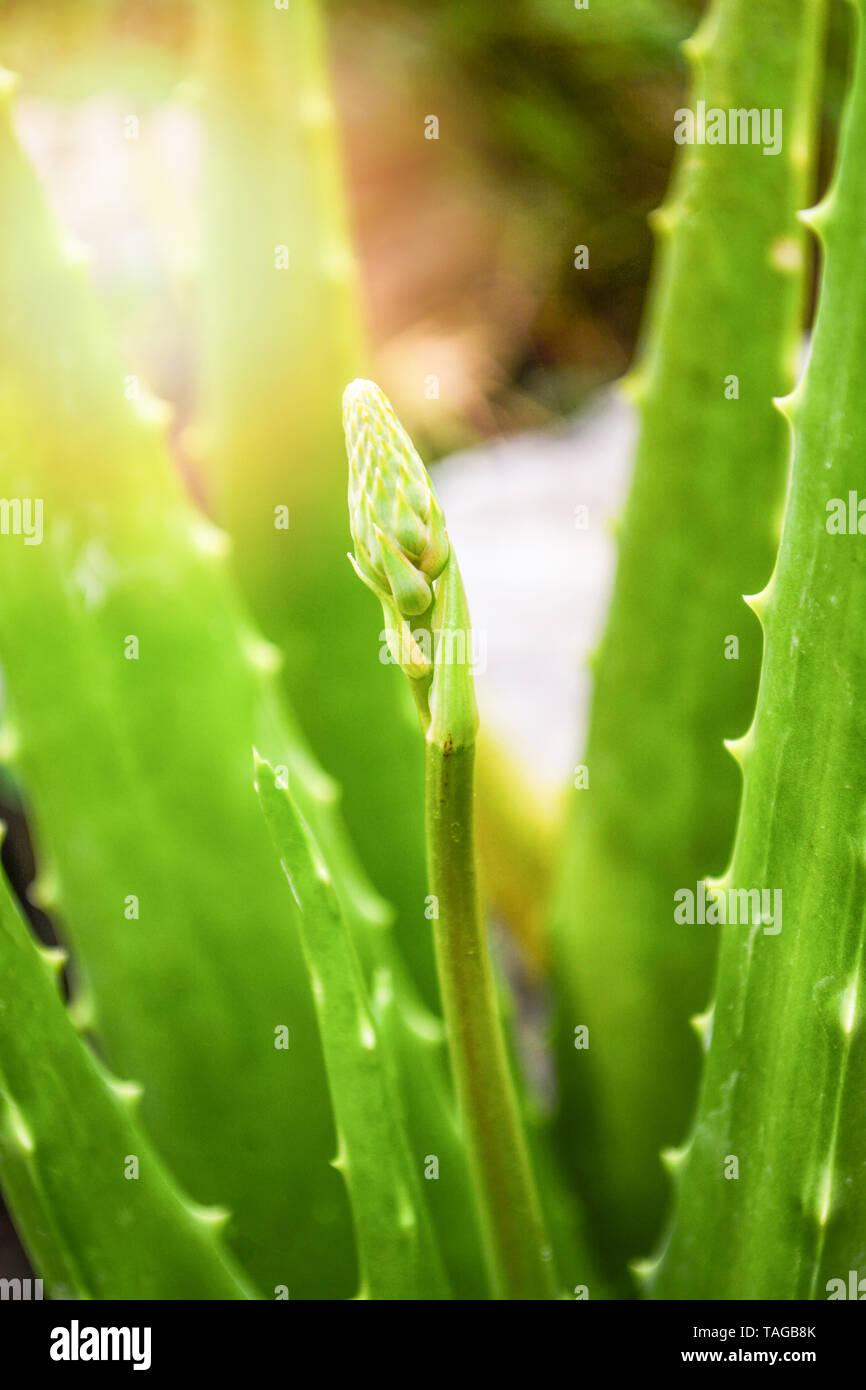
(401, 545)
(403, 554)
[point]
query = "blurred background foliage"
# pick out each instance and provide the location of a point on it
(555, 130)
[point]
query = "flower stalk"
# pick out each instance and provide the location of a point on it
(403, 554)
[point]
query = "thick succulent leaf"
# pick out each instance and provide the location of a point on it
(278, 346)
(134, 682)
(412, 1036)
(772, 1186)
(397, 1250)
(700, 529)
(95, 1206)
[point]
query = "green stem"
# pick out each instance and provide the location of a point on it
(517, 1251)
(402, 553)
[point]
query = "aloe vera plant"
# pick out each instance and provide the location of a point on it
(721, 341)
(772, 1194)
(296, 1120)
(88, 629)
(221, 654)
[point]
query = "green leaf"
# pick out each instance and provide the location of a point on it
(278, 346)
(135, 683)
(397, 1250)
(413, 1037)
(700, 529)
(785, 1074)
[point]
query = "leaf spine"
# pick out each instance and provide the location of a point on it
(19, 1129)
(703, 1026)
(673, 1159)
(849, 1006)
(740, 749)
